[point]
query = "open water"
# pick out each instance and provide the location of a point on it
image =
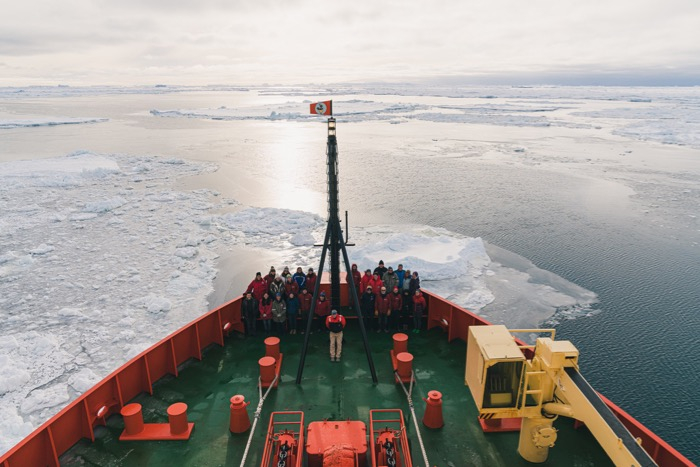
(596, 205)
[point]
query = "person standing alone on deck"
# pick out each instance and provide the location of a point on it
(335, 324)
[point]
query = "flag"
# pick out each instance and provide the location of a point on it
(322, 108)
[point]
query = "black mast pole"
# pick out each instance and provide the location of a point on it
(333, 219)
(334, 241)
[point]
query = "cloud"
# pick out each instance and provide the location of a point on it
(311, 40)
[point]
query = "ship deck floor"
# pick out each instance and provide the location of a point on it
(333, 391)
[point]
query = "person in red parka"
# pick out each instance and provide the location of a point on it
(270, 276)
(366, 279)
(383, 304)
(311, 280)
(356, 278)
(305, 299)
(376, 284)
(323, 309)
(290, 286)
(396, 306)
(265, 308)
(418, 309)
(258, 286)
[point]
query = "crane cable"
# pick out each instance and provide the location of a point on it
(413, 413)
(258, 411)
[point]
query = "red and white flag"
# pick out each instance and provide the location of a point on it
(322, 108)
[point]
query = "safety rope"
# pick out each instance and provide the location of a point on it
(413, 414)
(258, 411)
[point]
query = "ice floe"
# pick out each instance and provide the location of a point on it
(96, 265)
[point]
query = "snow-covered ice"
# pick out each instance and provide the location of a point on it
(100, 257)
(46, 121)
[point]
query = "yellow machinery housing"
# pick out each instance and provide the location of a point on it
(505, 384)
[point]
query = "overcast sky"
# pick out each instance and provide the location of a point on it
(323, 41)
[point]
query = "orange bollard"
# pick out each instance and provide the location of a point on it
(432, 418)
(267, 370)
(272, 347)
(133, 419)
(404, 365)
(400, 343)
(177, 418)
(240, 422)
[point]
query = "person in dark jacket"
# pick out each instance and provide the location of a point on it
(418, 310)
(305, 299)
(401, 274)
(380, 270)
(335, 324)
(407, 297)
(277, 287)
(300, 278)
(279, 314)
(390, 279)
(414, 284)
(292, 312)
(367, 306)
(249, 311)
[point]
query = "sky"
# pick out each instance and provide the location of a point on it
(248, 42)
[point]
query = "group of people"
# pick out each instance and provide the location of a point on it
(388, 300)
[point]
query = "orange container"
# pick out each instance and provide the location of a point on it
(400, 343)
(404, 364)
(272, 347)
(267, 370)
(133, 419)
(177, 417)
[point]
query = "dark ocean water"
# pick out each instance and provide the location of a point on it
(639, 350)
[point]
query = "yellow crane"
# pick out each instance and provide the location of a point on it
(505, 384)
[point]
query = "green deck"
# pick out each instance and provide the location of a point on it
(335, 391)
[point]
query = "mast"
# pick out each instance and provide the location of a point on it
(333, 218)
(334, 244)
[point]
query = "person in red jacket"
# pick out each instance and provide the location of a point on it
(265, 308)
(305, 299)
(335, 324)
(257, 287)
(376, 284)
(366, 279)
(291, 287)
(323, 309)
(270, 276)
(311, 280)
(396, 306)
(418, 309)
(383, 304)
(356, 278)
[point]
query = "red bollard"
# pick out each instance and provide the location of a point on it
(133, 419)
(267, 371)
(177, 418)
(400, 343)
(272, 347)
(432, 418)
(404, 365)
(240, 422)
